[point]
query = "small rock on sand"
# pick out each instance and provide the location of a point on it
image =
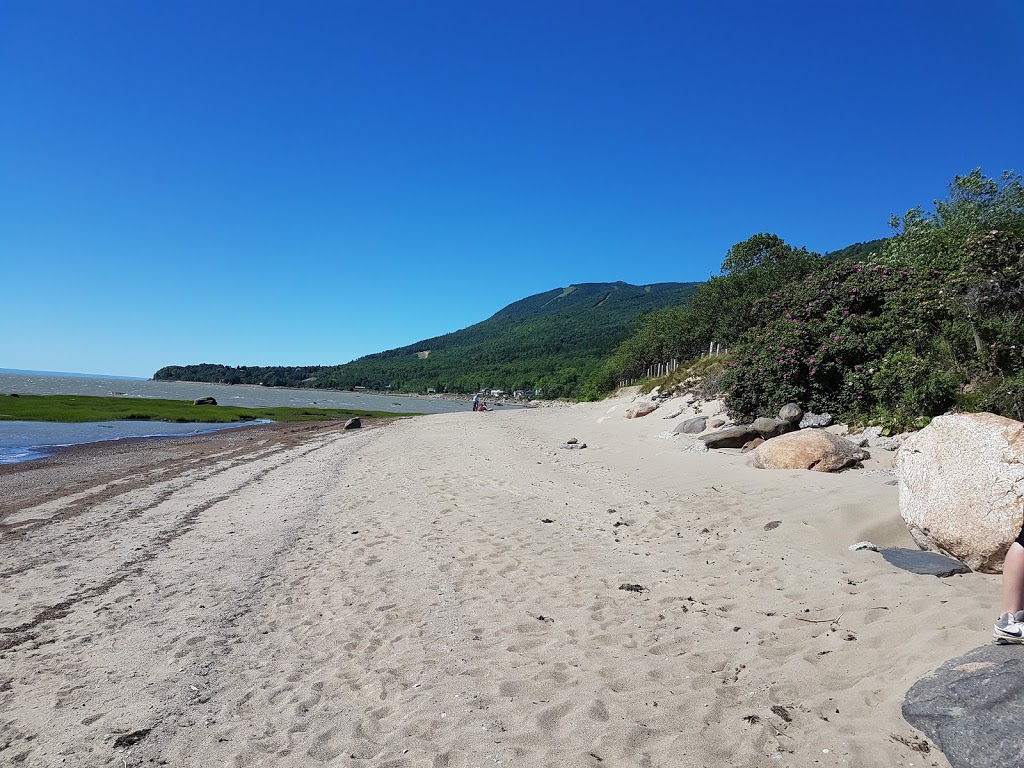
(641, 410)
(693, 426)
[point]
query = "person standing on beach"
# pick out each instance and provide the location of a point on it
(1009, 626)
(476, 400)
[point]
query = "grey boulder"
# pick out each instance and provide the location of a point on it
(888, 443)
(693, 426)
(791, 412)
(354, 423)
(972, 707)
(769, 428)
(205, 401)
(734, 437)
(815, 420)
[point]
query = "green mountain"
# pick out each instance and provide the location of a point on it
(553, 342)
(858, 251)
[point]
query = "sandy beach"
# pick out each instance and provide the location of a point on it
(445, 591)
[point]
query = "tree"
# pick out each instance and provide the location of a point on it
(761, 249)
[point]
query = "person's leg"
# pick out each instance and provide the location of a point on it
(1013, 579)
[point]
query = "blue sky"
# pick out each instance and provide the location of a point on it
(304, 183)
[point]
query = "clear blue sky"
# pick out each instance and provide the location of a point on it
(307, 182)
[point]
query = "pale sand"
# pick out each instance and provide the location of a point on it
(376, 598)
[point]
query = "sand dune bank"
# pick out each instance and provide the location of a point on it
(445, 591)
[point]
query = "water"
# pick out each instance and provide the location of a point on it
(24, 441)
(27, 440)
(243, 395)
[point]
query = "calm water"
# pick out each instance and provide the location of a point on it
(27, 440)
(23, 441)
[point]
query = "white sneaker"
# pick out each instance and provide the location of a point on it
(1009, 628)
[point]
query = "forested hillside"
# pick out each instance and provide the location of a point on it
(554, 342)
(892, 332)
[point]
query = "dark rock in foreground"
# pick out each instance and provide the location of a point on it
(925, 563)
(354, 423)
(972, 707)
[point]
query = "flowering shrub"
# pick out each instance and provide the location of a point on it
(823, 342)
(932, 323)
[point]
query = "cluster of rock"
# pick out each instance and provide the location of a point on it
(793, 440)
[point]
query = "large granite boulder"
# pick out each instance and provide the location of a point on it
(813, 449)
(815, 420)
(769, 428)
(693, 426)
(354, 423)
(792, 413)
(734, 437)
(205, 401)
(641, 410)
(972, 707)
(962, 485)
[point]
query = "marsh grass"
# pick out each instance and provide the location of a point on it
(80, 408)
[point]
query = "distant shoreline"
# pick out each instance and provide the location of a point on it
(71, 374)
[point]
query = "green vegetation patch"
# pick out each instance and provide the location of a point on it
(76, 408)
(891, 332)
